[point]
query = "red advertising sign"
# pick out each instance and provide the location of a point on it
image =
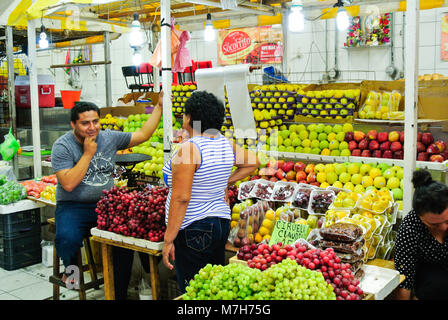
(250, 45)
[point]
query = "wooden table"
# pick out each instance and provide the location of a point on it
(108, 266)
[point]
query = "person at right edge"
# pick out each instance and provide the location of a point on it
(198, 174)
(421, 249)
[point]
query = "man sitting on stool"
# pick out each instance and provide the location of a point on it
(84, 160)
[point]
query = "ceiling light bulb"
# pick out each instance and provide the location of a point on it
(43, 42)
(296, 21)
(209, 32)
(137, 58)
(136, 36)
(342, 19)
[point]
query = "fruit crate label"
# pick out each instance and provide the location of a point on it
(288, 232)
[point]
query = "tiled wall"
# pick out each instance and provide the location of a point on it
(306, 51)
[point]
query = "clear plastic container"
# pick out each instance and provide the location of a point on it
(333, 207)
(337, 190)
(359, 204)
(262, 190)
(284, 191)
(333, 216)
(313, 207)
(245, 188)
(301, 197)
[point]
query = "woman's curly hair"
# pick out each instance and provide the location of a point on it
(206, 108)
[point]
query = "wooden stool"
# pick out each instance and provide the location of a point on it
(57, 275)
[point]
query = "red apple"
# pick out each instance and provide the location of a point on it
(394, 136)
(385, 146)
(365, 153)
(273, 179)
(299, 166)
(436, 158)
(300, 175)
(309, 168)
(376, 154)
(359, 135)
(315, 183)
(287, 166)
(398, 154)
(311, 177)
(352, 145)
(420, 147)
(382, 137)
(402, 137)
(374, 145)
(441, 145)
(349, 136)
(280, 174)
(356, 153)
(363, 144)
(395, 146)
(291, 175)
(427, 138)
(255, 177)
(387, 154)
(422, 156)
(432, 149)
(372, 135)
(280, 163)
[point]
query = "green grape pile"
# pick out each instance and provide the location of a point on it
(283, 281)
(230, 282)
(290, 281)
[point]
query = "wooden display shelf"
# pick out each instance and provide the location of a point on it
(43, 201)
(436, 166)
(71, 65)
(377, 121)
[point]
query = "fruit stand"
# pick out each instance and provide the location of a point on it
(329, 153)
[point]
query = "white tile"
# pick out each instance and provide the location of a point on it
(39, 291)
(6, 273)
(428, 15)
(427, 34)
(358, 59)
(39, 270)
(426, 57)
(379, 58)
(7, 296)
(17, 281)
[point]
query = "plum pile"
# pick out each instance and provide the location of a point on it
(138, 214)
(335, 273)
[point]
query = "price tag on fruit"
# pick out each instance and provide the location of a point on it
(288, 232)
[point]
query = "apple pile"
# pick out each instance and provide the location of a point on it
(376, 144)
(339, 275)
(138, 214)
(389, 145)
(428, 149)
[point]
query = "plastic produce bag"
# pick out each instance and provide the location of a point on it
(144, 290)
(9, 147)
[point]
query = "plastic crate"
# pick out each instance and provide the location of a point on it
(15, 223)
(20, 251)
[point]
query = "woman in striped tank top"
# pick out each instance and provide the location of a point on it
(198, 174)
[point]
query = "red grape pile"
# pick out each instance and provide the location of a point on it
(339, 275)
(233, 196)
(139, 214)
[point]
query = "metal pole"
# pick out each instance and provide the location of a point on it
(11, 92)
(37, 159)
(285, 26)
(107, 69)
(411, 96)
(167, 79)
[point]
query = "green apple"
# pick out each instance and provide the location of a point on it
(345, 153)
(313, 135)
(365, 169)
(335, 153)
(345, 177)
(315, 144)
(323, 144)
(339, 168)
(356, 179)
(322, 136)
(353, 168)
(397, 193)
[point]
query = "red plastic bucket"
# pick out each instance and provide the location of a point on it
(69, 97)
